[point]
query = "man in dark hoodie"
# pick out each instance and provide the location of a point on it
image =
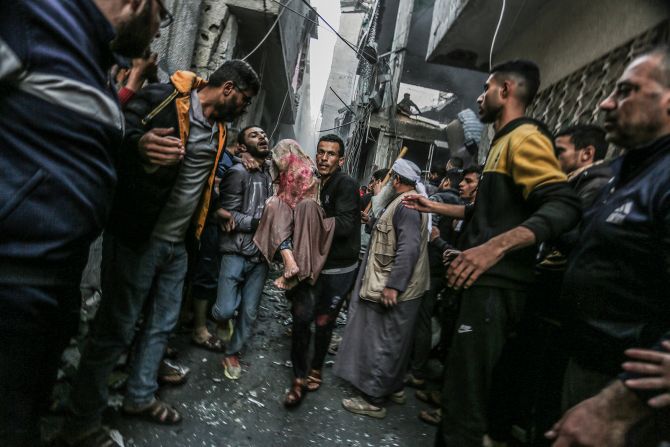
(59, 126)
(523, 199)
(321, 303)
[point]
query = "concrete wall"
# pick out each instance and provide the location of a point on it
(561, 36)
(208, 32)
(568, 34)
(304, 126)
(342, 71)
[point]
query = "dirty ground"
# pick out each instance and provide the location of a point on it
(249, 412)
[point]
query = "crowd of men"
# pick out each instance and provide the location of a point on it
(544, 223)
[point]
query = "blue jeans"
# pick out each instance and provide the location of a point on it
(241, 284)
(150, 279)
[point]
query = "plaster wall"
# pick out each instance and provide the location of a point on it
(569, 34)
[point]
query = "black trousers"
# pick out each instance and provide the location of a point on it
(423, 335)
(319, 304)
(487, 318)
(36, 324)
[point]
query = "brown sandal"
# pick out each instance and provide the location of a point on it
(314, 380)
(158, 412)
(294, 395)
(432, 417)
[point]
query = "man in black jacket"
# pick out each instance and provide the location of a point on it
(581, 150)
(174, 139)
(618, 273)
(321, 303)
(60, 124)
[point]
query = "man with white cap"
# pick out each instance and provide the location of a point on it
(394, 275)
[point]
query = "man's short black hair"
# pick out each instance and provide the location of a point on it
(241, 135)
(583, 135)
(526, 73)
(454, 175)
(438, 169)
(379, 174)
(473, 169)
(239, 72)
(331, 137)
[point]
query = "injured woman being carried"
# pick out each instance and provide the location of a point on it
(293, 222)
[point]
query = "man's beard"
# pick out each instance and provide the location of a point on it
(133, 37)
(488, 117)
(257, 153)
(226, 112)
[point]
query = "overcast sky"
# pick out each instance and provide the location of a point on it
(321, 52)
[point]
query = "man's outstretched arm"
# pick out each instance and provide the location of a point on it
(425, 205)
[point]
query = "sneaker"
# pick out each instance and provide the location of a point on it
(231, 367)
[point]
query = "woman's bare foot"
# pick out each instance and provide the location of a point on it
(290, 266)
(286, 284)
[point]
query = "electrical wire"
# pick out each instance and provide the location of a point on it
(341, 100)
(493, 42)
(296, 12)
(341, 125)
(349, 44)
(266, 35)
(281, 113)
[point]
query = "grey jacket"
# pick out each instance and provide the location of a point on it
(244, 194)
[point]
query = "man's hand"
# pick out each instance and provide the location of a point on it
(434, 233)
(602, 420)
(418, 202)
(160, 148)
(470, 264)
(249, 162)
(226, 221)
(143, 68)
(654, 364)
(449, 255)
(364, 217)
(389, 297)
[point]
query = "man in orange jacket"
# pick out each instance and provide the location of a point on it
(166, 174)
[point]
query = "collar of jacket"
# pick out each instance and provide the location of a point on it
(578, 171)
(184, 83)
(636, 159)
(509, 127)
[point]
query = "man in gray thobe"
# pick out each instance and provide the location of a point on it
(377, 342)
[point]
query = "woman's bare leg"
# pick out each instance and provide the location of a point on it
(290, 266)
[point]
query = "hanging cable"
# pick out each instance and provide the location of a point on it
(296, 12)
(341, 125)
(266, 35)
(281, 113)
(349, 44)
(495, 35)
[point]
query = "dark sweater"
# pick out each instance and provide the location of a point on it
(340, 199)
(521, 185)
(617, 275)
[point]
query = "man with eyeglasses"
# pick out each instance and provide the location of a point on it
(166, 176)
(59, 126)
